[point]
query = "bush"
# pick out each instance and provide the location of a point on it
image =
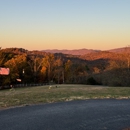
(92, 81)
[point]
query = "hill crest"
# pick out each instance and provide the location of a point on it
(86, 51)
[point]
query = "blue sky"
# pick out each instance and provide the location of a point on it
(64, 24)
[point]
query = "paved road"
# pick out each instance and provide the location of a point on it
(106, 114)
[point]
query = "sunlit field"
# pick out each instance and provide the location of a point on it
(58, 93)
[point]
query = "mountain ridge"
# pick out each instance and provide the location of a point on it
(85, 51)
(73, 52)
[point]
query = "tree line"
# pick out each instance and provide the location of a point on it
(38, 67)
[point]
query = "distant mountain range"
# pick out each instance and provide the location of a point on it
(73, 52)
(85, 51)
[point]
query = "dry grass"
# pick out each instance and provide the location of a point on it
(47, 94)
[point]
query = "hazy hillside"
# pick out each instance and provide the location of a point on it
(73, 52)
(102, 55)
(120, 50)
(86, 51)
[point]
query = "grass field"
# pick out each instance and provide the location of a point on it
(47, 94)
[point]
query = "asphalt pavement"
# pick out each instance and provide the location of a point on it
(103, 114)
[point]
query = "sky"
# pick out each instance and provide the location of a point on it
(64, 24)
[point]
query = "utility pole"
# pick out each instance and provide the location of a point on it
(128, 63)
(23, 77)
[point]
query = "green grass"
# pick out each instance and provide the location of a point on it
(42, 94)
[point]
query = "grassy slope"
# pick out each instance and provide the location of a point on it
(44, 94)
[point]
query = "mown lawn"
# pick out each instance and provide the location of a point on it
(46, 94)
